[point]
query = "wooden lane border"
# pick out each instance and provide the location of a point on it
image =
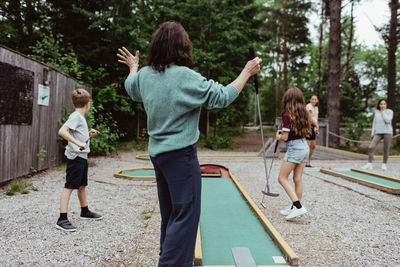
(287, 252)
(118, 174)
(384, 188)
(356, 153)
(377, 174)
(143, 157)
(146, 157)
(198, 256)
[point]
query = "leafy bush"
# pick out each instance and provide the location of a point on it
(356, 130)
(105, 142)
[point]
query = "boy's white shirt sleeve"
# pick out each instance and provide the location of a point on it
(72, 122)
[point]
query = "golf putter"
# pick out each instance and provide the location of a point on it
(266, 191)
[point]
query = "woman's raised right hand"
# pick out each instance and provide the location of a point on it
(253, 66)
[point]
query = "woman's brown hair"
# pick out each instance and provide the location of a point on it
(293, 103)
(170, 44)
(379, 102)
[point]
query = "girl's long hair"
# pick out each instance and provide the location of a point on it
(293, 103)
(170, 44)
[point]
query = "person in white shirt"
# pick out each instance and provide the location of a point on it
(381, 129)
(312, 139)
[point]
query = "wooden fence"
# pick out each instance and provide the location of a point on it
(30, 142)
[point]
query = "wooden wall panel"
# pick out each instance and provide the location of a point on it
(20, 144)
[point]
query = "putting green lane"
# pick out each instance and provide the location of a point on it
(229, 224)
(139, 173)
(372, 178)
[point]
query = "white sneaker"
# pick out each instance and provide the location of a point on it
(296, 212)
(287, 210)
(384, 167)
(367, 166)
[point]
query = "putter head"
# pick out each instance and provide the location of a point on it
(267, 193)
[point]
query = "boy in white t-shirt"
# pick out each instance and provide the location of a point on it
(75, 131)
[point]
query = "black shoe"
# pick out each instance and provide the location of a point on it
(91, 216)
(65, 225)
(310, 166)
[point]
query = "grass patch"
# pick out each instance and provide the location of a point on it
(147, 216)
(22, 186)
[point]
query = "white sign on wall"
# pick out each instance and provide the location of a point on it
(43, 95)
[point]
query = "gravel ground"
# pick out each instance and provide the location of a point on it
(348, 224)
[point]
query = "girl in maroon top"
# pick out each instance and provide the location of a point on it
(296, 126)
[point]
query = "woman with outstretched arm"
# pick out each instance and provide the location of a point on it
(173, 95)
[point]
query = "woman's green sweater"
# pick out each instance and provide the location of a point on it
(172, 100)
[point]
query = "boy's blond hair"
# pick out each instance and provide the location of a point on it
(80, 97)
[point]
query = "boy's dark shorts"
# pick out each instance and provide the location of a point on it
(77, 170)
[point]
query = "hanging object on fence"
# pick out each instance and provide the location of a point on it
(43, 95)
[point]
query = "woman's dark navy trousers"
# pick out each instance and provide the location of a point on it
(179, 193)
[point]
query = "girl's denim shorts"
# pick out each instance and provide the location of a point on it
(297, 151)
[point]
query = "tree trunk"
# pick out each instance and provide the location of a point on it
(346, 66)
(391, 73)
(285, 71)
(334, 71)
(321, 50)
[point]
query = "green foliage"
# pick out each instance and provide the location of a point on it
(217, 142)
(105, 142)
(42, 154)
(355, 129)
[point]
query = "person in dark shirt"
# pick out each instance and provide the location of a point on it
(296, 126)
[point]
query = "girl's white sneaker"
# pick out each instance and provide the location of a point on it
(367, 166)
(384, 167)
(286, 211)
(296, 212)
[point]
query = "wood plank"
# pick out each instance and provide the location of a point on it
(2, 152)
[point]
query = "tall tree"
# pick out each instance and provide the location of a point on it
(295, 18)
(391, 63)
(284, 29)
(321, 44)
(334, 70)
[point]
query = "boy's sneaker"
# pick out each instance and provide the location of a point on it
(296, 212)
(286, 211)
(367, 166)
(384, 166)
(91, 216)
(65, 225)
